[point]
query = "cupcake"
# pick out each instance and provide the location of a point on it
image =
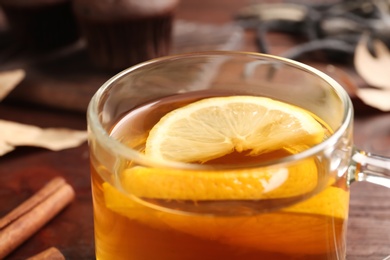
(121, 33)
(41, 24)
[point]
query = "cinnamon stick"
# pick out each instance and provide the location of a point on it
(49, 254)
(33, 214)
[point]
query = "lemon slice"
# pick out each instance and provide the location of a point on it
(243, 184)
(217, 126)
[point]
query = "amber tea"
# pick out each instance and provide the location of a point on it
(215, 214)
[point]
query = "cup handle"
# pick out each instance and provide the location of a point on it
(370, 167)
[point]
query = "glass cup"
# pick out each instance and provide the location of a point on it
(289, 207)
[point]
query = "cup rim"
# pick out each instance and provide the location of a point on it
(139, 158)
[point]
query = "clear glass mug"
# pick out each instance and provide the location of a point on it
(151, 215)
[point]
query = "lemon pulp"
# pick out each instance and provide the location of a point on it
(213, 127)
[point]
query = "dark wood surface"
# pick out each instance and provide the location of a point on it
(25, 170)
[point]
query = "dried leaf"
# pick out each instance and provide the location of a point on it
(378, 98)
(9, 80)
(16, 134)
(374, 70)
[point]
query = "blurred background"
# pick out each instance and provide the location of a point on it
(61, 51)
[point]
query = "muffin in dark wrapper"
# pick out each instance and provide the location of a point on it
(41, 24)
(121, 33)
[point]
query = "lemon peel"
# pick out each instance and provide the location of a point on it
(239, 184)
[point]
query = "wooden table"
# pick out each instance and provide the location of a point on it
(25, 170)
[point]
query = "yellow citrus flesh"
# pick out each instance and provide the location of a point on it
(214, 127)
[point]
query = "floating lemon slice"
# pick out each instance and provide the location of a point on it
(217, 126)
